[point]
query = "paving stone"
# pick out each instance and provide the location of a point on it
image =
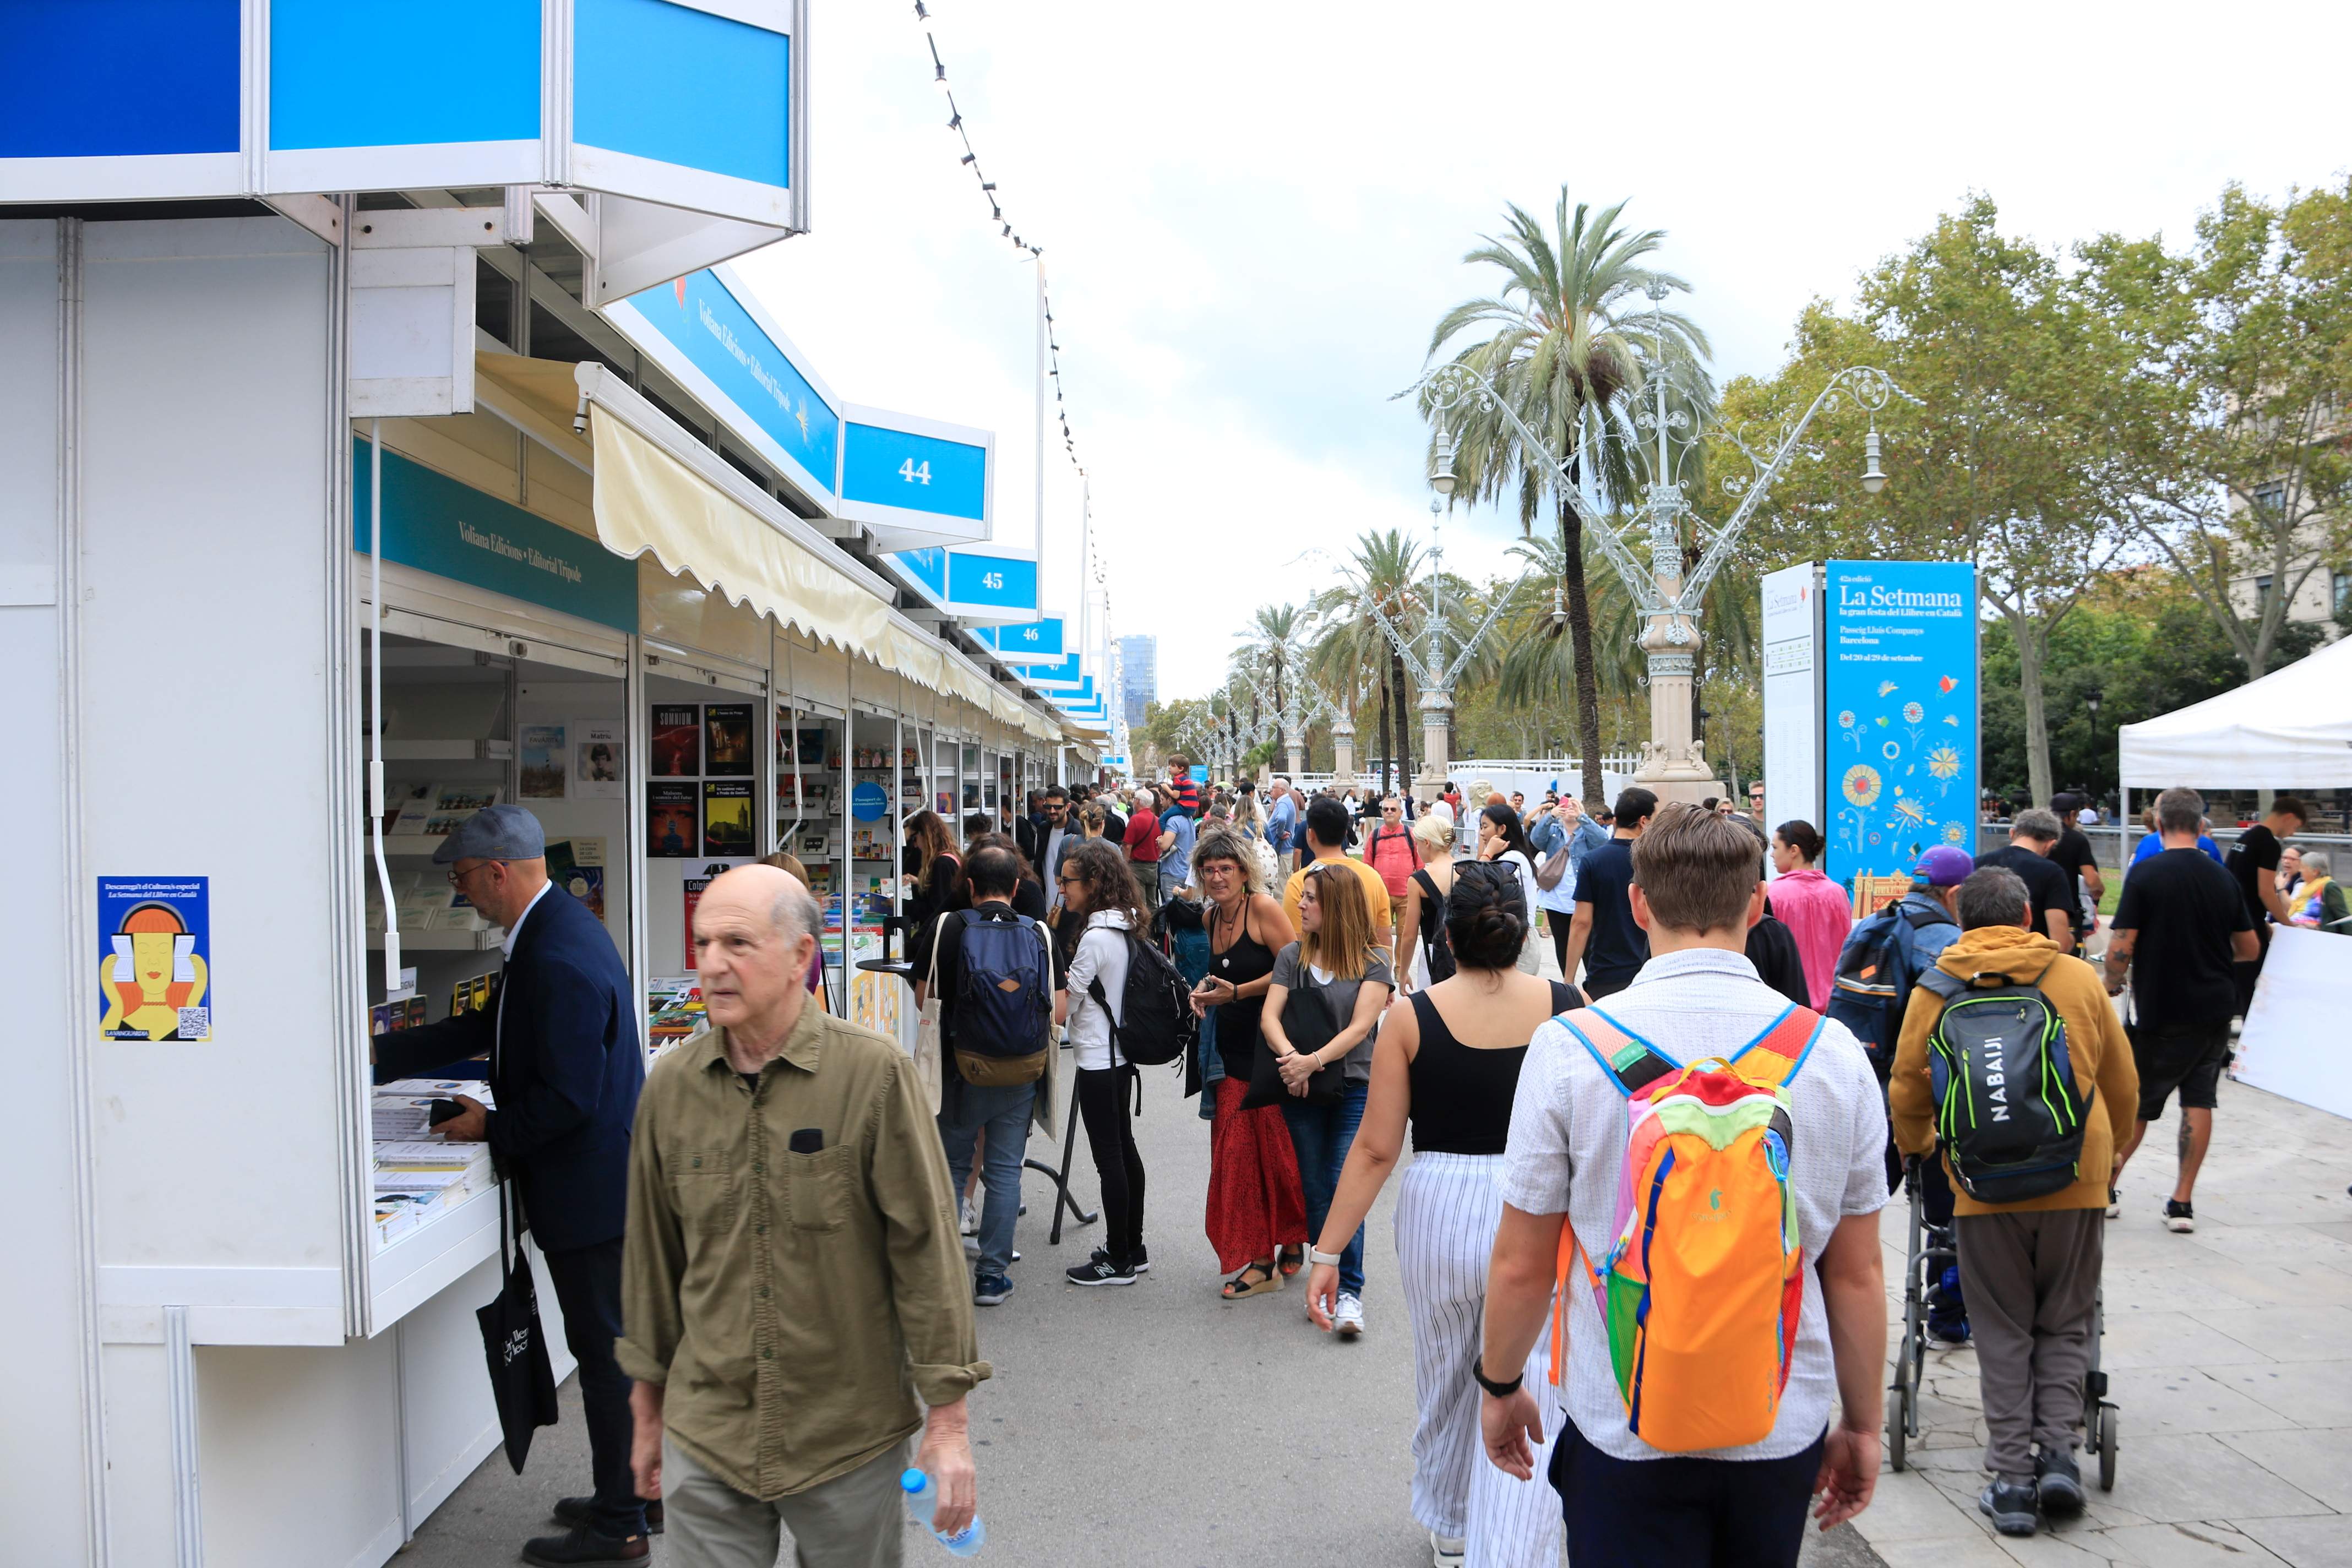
(2309, 1394)
(2190, 1545)
(2281, 1334)
(2306, 1543)
(2169, 1480)
(2174, 1400)
(2171, 1338)
(2318, 1462)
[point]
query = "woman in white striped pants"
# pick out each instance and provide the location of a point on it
(1448, 1062)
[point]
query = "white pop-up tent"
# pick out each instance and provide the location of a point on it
(2290, 729)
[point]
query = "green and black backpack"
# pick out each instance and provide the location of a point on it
(2007, 1108)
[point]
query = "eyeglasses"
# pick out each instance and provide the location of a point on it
(458, 878)
(1069, 881)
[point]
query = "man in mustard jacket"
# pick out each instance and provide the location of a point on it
(2030, 1269)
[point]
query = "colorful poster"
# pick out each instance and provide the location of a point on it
(727, 816)
(577, 866)
(544, 766)
(596, 758)
(677, 742)
(155, 958)
(727, 739)
(1899, 702)
(673, 820)
(695, 888)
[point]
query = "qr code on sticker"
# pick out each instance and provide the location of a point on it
(195, 1024)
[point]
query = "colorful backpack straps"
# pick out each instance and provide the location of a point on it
(1610, 1044)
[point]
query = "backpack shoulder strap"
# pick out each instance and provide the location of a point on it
(1921, 920)
(1777, 1053)
(1632, 1063)
(1948, 986)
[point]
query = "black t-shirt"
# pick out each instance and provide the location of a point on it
(2045, 884)
(1772, 949)
(2185, 909)
(1617, 948)
(2069, 855)
(2255, 861)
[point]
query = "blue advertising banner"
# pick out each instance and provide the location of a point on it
(1899, 694)
(155, 958)
(1034, 643)
(436, 524)
(744, 364)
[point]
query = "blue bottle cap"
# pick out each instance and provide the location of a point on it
(913, 1481)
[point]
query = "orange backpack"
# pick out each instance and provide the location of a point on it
(1700, 1292)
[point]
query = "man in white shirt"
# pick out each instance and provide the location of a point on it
(1695, 891)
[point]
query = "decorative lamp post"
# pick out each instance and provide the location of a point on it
(1673, 762)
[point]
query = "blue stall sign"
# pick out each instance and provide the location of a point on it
(1034, 642)
(707, 331)
(1899, 698)
(1063, 676)
(991, 583)
(868, 800)
(917, 481)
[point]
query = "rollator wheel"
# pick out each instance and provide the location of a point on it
(2107, 1447)
(1898, 1424)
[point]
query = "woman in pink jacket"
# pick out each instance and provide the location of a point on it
(1814, 908)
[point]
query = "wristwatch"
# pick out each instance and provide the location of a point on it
(1321, 1260)
(1499, 1390)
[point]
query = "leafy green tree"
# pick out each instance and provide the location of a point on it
(1352, 647)
(1557, 340)
(2245, 344)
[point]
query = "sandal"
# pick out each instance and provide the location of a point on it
(1242, 1285)
(1292, 1259)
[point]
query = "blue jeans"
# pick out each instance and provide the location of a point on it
(964, 1109)
(1322, 1135)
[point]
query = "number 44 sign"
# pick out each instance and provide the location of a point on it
(916, 473)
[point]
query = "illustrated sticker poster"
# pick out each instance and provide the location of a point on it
(677, 742)
(155, 958)
(727, 816)
(577, 866)
(673, 812)
(727, 739)
(1899, 695)
(543, 763)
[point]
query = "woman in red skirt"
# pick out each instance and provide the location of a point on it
(1257, 1211)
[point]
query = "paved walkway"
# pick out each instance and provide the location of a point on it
(1158, 1426)
(2229, 1356)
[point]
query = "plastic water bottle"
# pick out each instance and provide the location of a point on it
(923, 1500)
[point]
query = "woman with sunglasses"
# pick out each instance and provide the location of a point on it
(1257, 1211)
(1447, 1062)
(1098, 889)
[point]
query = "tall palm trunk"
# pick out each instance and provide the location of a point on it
(1385, 737)
(1579, 642)
(1405, 734)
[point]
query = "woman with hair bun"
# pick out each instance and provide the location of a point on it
(1814, 908)
(1447, 1062)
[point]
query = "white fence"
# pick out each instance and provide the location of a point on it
(1530, 775)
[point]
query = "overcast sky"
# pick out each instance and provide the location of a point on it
(1252, 215)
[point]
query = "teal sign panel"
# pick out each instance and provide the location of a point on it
(436, 524)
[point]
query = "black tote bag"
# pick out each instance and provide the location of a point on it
(522, 1379)
(1307, 1024)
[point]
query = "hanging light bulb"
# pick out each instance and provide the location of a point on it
(1441, 464)
(1874, 478)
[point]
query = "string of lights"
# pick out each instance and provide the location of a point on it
(1036, 253)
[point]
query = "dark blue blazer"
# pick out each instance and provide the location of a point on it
(565, 1075)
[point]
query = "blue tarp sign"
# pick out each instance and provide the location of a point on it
(1899, 704)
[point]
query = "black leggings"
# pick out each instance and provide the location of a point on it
(1557, 923)
(1110, 1136)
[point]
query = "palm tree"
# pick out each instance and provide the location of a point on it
(1561, 350)
(1267, 643)
(1351, 655)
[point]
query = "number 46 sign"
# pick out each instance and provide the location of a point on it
(916, 473)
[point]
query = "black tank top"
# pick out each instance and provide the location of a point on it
(1237, 1022)
(1462, 1094)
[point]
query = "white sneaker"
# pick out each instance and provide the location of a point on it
(1445, 1550)
(971, 1218)
(1348, 1316)
(2114, 1202)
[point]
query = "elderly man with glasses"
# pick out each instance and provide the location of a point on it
(561, 1032)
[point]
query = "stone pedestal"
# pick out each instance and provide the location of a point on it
(1294, 753)
(1343, 752)
(1673, 765)
(1436, 706)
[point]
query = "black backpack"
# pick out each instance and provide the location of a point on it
(1437, 949)
(1874, 978)
(2007, 1110)
(1154, 1024)
(1004, 1004)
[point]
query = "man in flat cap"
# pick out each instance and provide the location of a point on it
(560, 1033)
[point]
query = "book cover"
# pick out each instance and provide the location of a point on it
(542, 763)
(673, 825)
(812, 747)
(727, 739)
(577, 866)
(727, 816)
(677, 742)
(406, 807)
(596, 752)
(462, 799)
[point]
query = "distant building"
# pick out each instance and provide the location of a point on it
(2323, 593)
(1138, 658)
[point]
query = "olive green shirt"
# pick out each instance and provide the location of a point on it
(795, 1304)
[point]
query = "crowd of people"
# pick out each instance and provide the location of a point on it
(812, 1213)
